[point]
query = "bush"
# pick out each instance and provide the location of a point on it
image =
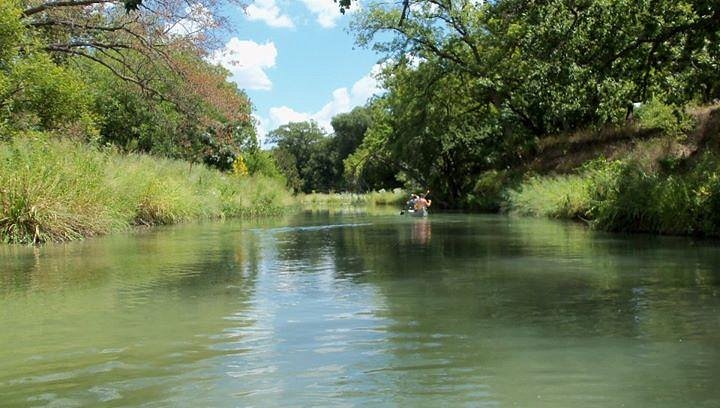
(670, 119)
(488, 193)
(620, 196)
(623, 196)
(52, 192)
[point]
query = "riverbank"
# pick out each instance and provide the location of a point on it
(634, 179)
(54, 190)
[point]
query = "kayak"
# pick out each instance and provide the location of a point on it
(416, 213)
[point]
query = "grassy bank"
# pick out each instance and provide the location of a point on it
(53, 190)
(655, 180)
(627, 196)
(394, 197)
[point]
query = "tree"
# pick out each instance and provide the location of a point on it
(554, 65)
(371, 166)
(152, 45)
(434, 135)
(36, 93)
(474, 85)
(303, 156)
(138, 77)
(348, 132)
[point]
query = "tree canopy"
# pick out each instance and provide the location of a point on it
(128, 73)
(474, 85)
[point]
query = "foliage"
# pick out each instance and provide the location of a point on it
(436, 135)
(239, 167)
(474, 86)
(556, 197)
(489, 191)
(11, 31)
(625, 196)
(370, 166)
(215, 131)
(36, 93)
(672, 120)
(349, 130)
(52, 192)
(135, 44)
(94, 72)
(262, 162)
(303, 156)
(60, 190)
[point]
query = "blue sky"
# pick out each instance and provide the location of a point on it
(296, 61)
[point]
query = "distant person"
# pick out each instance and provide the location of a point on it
(422, 203)
(411, 202)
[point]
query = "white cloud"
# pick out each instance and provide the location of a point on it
(280, 115)
(261, 125)
(343, 100)
(326, 11)
(247, 61)
(268, 12)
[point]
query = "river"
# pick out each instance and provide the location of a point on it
(358, 309)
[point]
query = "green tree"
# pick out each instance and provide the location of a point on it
(304, 156)
(348, 132)
(36, 93)
(261, 162)
(475, 85)
(559, 64)
(372, 166)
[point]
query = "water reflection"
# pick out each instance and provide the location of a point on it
(125, 319)
(363, 309)
(421, 232)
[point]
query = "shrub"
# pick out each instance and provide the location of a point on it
(488, 193)
(624, 196)
(671, 119)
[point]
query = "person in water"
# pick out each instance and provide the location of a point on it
(411, 202)
(422, 203)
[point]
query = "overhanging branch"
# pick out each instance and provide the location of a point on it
(57, 4)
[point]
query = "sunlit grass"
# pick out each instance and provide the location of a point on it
(629, 196)
(53, 190)
(382, 197)
(563, 196)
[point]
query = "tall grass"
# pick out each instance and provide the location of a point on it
(53, 190)
(382, 197)
(627, 196)
(563, 196)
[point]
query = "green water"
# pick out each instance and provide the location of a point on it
(356, 310)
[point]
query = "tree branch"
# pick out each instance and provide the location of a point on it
(67, 3)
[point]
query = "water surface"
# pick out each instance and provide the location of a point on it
(357, 309)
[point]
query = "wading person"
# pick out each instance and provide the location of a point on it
(422, 203)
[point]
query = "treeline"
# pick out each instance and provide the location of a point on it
(313, 161)
(475, 87)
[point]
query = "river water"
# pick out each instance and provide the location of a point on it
(356, 309)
